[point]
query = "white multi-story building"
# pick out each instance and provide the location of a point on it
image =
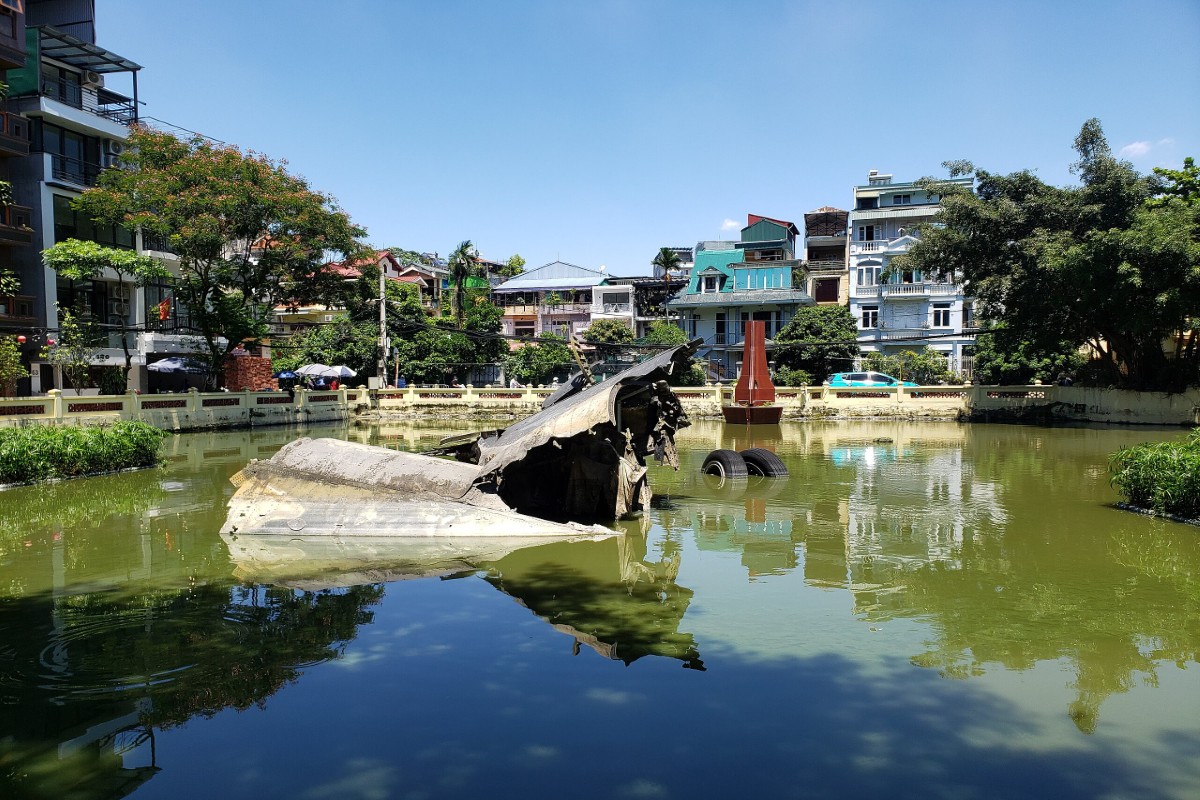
(899, 311)
(66, 96)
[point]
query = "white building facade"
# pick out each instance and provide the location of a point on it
(899, 310)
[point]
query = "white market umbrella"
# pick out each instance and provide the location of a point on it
(339, 371)
(316, 370)
(176, 364)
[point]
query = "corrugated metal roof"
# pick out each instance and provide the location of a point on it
(745, 297)
(555, 275)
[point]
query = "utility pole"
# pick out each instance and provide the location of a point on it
(381, 370)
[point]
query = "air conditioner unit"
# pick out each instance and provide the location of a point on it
(114, 147)
(122, 292)
(92, 78)
(120, 309)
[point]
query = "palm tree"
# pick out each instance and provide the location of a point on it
(666, 260)
(462, 266)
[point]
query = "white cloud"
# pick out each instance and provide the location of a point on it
(730, 224)
(1134, 150)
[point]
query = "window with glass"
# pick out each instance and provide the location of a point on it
(710, 284)
(901, 199)
(70, 224)
(870, 316)
(941, 315)
(868, 275)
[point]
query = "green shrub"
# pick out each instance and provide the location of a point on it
(44, 453)
(786, 376)
(111, 380)
(1162, 476)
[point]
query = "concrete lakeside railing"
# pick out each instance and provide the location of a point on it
(189, 410)
(194, 410)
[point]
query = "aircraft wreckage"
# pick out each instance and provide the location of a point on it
(580, 460)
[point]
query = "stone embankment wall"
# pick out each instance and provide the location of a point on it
(196, 410)
(184, 411)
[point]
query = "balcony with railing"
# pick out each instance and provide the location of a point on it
(622, 309)
(74, 170)
(14, 134)
(565, 308)
(14, 225)
(915, 291)
(98, 101)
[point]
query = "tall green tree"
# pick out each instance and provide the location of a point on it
(513, 267)
(666, 260)
(662, 332)
(608, 331)
(249, 235)
(538, 362)
(1093, 264)
(74, 349)
(464, 264)
(1004, 357)
(80, 260)
(819, 340)
(11, 367)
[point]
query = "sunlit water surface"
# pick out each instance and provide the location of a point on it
(921, 610)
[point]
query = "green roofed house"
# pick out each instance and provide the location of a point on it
(734, 282)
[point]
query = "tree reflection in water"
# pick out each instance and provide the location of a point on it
(92, 676)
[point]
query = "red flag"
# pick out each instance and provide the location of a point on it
(164, 310)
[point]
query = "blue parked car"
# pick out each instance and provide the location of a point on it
(866, 379)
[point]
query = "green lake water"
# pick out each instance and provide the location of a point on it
(925, 610)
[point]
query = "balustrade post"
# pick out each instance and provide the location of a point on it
(56, 407)
(194, 405)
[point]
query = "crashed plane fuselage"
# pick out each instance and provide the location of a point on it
(581, 459)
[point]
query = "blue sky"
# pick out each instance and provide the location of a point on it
(596, 132)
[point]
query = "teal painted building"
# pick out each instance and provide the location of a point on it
(734, 282)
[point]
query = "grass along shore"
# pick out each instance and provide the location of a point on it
(1163, 477)
(42, 453)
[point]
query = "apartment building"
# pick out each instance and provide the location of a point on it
(735, 281)
(72, 102)
(825, 252)
(553, 298)
(902, 310)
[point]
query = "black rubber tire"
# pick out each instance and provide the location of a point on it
(725, 463)
(764, 462)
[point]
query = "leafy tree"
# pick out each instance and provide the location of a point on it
(666, 260)
(1182, 183)
(923, 366)
(663, 332)
(249, 235)
(10, 282)
(819, 340)
(340, 342)
(427, 350)
(1094, 264)
(537, 362)
(1002, 357)
(74, 349)
(464, 264)
(608, 331)
(11, 367)
(513, 267)
(786, 376)
(80, 260)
